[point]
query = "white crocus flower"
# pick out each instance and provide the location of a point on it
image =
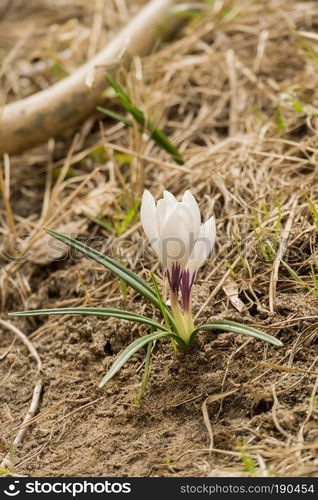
(181, 242)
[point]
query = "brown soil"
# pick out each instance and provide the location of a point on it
(246, 156)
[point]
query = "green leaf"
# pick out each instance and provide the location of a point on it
(117, 116)
(313, 209)
(131, 350)
(101, 222)
(122, 158)
(234, 327)
(310, 51)
(280, 123)
(297, 106)
(162, 305)
(128, 217)
(131, 278)
(156, 134)
(191, 9)
(146, 376)
(121, 271)
(294, 275)
(96, 311)
(5, 471)
(123, 288)
(99, 154)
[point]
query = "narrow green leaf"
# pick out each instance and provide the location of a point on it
(118, 88)
(156, 134)
(5, 471)
(100, 221)
(116, 116)
(95, 311)
(280, 123)
(121, 271)
(123, 288)
(313, 209)
(191, 9)
(99, 154)
(131, 278)
(146, 375)
(310, 51)
(128, 217)
(131, 350)
(294, 275)
(297, 106)
(162, 305)
(234, 327)
(122, 158)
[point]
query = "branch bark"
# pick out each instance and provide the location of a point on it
(35, 119)
(6, 462)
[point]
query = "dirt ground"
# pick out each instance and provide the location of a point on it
(236, 92)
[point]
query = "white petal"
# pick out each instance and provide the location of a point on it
(148, 219)
(169, 196)
(165, 208)
(190, 201)
(175, 237)
(203, 245)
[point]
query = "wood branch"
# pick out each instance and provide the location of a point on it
(35, 119)
(6, 462)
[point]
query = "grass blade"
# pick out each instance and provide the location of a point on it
(168, 321)
(162, 305)
(95, 311)
(234, 327)
(130, 351)
(128, 217)
(156, 134)
(131, 278)
(146, 375)
(117, 116)
(313, 210)
(121, 271)
(5, 471)
(101, 222)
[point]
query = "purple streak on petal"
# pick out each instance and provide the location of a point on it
(187, 281)
(175, 277)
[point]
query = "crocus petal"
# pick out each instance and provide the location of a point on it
(174, 274)
(148, 219)
(175, 237)
(165, 208)
(203, 245)
(186, 283)
(190, 201)
(169, 196)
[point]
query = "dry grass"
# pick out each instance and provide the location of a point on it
(237, 93)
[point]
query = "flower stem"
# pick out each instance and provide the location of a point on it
(183, 319)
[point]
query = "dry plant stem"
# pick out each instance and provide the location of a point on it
(7, 271)
(5, 192)
(217, 288)
(6, 462)
(280, 254)
(211, 399)
(308, 416)
(35, 119)
(275, 418)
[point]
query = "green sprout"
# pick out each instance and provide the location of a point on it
(146, 125)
